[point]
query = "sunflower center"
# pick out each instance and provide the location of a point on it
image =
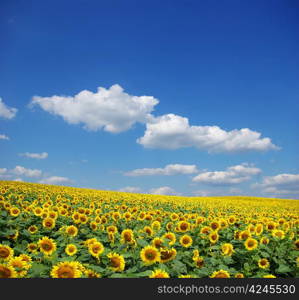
(66, 272)
(4, 253)
(47, 247)
(5, 272)
(115, 262)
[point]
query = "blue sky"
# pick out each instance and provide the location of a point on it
(208, 69)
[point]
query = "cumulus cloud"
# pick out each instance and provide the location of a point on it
(130, 189)
(232, 175)
(111, 109)
(163, 190)
(57, 180)
(3, 170)
(4, 137)
(21, 171)
(42, 155)
(281, 184)
(171, 131)
(217, 192)
(172, 169)
(4, 173)
(7, 112)
(18, 179)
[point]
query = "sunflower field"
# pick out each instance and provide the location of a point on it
(63, 232)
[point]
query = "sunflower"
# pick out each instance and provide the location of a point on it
(227, 249)
(6, 253)
(215, 225)
(167, 254)
(127, 236)
(220, 274)
(259, 229)
(271, 226)
(66, 270)
(53, 214)
(169, 226)
(71, 249)
(169, 237)
(278, 234)
(19, 265)
(47, 246)
(116, 216)
(71, 230)
(91, 274)
(93, 225)
(49, 223)
(251, 244)
(158, 273)
(7, 271)
(232, 220)
(185, 276)
(83, 218)
(150, 255)
(269, 276)
(26, 258)
(186, 241)
(199, 261)
(296, 243)
(199, 220)
(148, 230)
(184, 226)
(38, 211)
(213, 237)
(32, 247)
(156, 225)
(157, 242)
(76, 217)
(239, 275)
(117, 262)
(14, 211)
(96, 249)
(174, 217)
(206, 230)
(263, 263)
(195, 254)
(32, 229)
(112, 229)
(264, 240)
(244, 235)
(297, 261)
(89, 242)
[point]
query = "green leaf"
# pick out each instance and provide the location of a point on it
(142, 242)
(283, 269)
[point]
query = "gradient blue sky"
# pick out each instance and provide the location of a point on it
(232, 64)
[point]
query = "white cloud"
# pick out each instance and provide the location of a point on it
(202, 193)
(172, 169)
(163, 190)
(232, 175)
(19, 170)
(130, 189)
(4, 137)
(281, 184)
(7, 112)
(18, 179)
(171, 131)
(235, 191)
(217, 192)
(3, 171)
(111, 109)
(42, 155)
(55, 180)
